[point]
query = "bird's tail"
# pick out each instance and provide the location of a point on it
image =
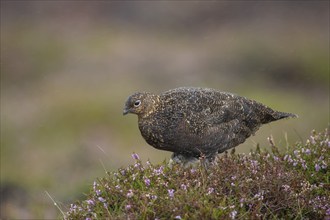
(280, 115)
(276, 115)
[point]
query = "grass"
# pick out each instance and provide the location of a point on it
(294, 184)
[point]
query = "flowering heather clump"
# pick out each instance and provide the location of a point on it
(260, 185)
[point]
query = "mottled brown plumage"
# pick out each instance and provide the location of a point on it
(194, 122)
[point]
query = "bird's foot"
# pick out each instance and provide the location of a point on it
(184, 160)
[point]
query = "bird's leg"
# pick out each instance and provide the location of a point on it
(207, 160)
(184, 160)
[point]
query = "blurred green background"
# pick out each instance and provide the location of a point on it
(67, 68)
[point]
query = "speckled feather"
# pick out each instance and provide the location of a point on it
(198, 121)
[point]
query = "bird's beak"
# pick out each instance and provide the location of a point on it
(126, 111)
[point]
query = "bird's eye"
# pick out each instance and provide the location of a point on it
(137, 103)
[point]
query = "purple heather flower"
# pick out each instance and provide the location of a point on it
(88, 218)
(184, 187)
(159, 171)
(102, 199)
(308, 151)
(286, 188)
(312, 140)
(165, 184)
(304, 166)
(97, 191)
(328, 210)
(324, 165)
(73, 208)
(170, 193)
(137, 165)
(135, 156)
(210, 190)
(242, 200)
(259, 196)
(254, 163)
(147, 182)
(233, 214)
(90, 202)
(177, 217)
(130, 194)
(254, 166)
(317, 167)
(123, 172)
(127, 207)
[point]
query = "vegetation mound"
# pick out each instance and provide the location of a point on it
(294, 184)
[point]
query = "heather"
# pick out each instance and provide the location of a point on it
(278, 184)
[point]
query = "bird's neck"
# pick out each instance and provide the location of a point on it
(152, 108)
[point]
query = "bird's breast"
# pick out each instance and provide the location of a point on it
(152, 131)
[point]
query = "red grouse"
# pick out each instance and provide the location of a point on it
(195, 122)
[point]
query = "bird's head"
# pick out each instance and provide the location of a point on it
(141, 104)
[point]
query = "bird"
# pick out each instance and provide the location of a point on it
(196, 123)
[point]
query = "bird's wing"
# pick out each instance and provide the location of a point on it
(208, 123)
(217, 128)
